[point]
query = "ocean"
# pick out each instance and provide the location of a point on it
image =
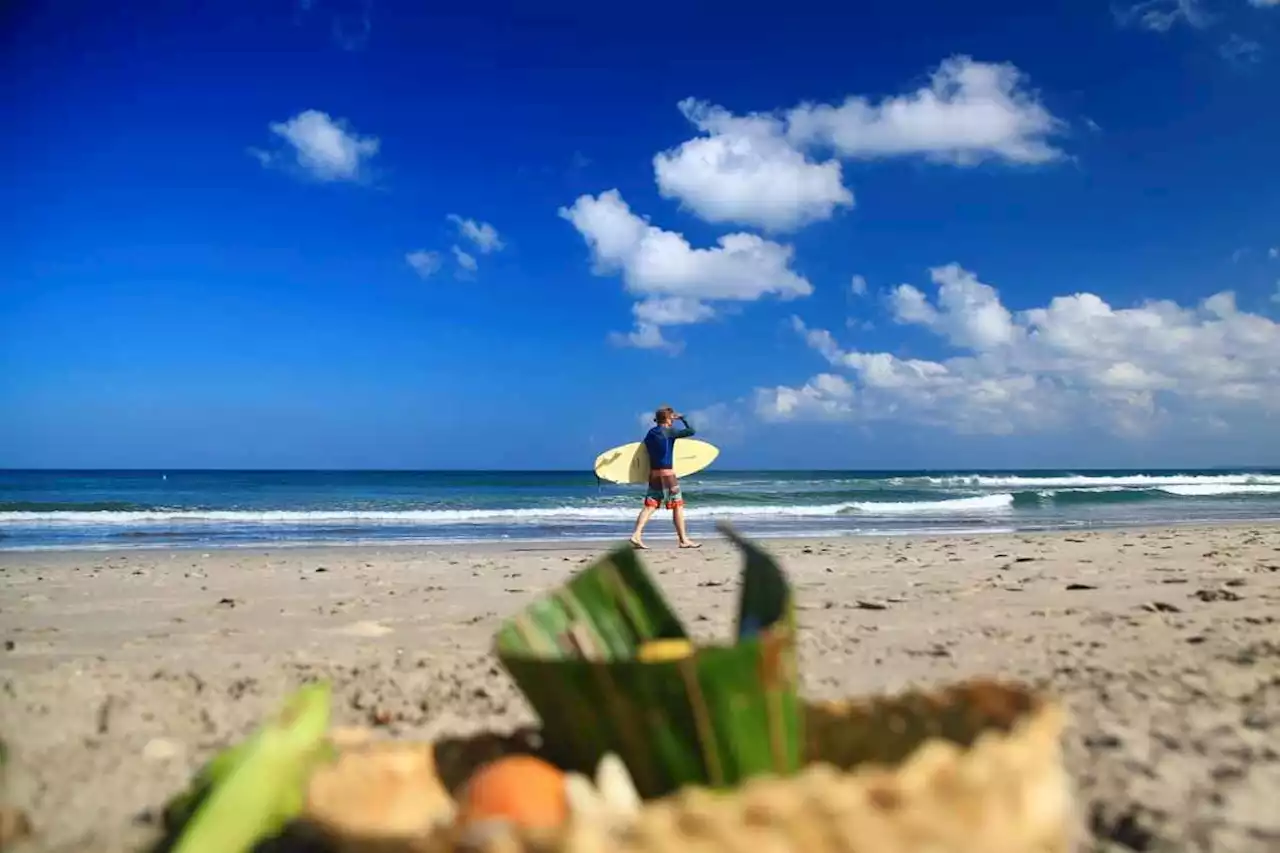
(209, 509)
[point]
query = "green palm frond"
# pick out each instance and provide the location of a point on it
(714, 718)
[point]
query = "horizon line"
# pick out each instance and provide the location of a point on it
(972, 469)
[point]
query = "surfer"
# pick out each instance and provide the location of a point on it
(663, 485)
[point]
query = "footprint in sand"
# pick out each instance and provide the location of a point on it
(365, 629)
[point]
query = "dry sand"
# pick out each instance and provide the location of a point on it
(122, 671)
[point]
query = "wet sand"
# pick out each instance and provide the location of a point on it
(122, 671)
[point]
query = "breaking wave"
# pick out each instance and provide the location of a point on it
(982, 503)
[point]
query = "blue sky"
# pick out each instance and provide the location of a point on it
(366, 233)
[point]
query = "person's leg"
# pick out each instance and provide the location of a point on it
(675, 502)
(641, 520)
(677, 515)
(652, 500)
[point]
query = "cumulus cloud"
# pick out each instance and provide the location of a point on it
(424, 263)
(652, 261)
(483, 235)
(1075, 360)
(825, 396)
(673, 280)
(969, 313)
(858, 286)
(744, 170)
(970, 112)
(781, 170)
(321, 147)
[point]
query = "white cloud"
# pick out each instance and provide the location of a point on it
(654, 262)
(1240, 50)
(764, 169)
(672, 311)
(1163, 15)
(646, 336)
(1076, 360)
(1264, 3)
(1274, 251)
(482, 234)
(322, 147)
(745, 171)
(465, 261)
(825, 396)
(970, 112)
(969, 313)
(674, 280)
(858, 286)
(424, 263)
(654, 313)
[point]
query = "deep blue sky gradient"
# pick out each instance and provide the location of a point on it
(165, 301)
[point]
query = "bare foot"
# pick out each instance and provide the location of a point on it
(638, 545)
(690, 544)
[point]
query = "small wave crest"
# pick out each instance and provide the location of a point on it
(1205, 490)
(1128, 481)
(1125, 495)
(1089, 495)
(980, 503)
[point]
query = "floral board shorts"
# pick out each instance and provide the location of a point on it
(663, 488)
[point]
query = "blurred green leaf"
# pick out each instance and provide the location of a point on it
(724, 713)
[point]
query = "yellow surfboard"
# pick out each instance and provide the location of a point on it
(629, 463)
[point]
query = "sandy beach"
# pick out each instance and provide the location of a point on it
(121, 671)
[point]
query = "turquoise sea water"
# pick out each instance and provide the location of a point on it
(122, 509)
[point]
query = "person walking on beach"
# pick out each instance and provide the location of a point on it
(663, 485)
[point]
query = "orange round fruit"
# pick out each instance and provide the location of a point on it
(522, 789)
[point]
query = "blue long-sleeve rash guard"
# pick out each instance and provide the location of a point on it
(661, 440)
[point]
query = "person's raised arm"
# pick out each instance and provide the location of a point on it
(685, 431)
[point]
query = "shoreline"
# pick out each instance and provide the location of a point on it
(123, 670)
(656, 532)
